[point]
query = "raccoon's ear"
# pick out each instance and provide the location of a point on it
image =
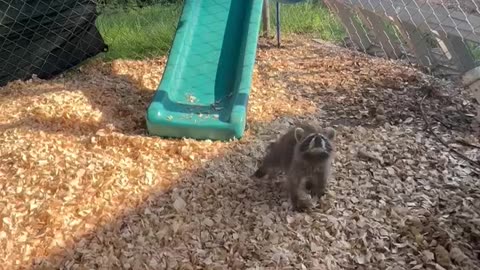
(298, 134)
(330, 133)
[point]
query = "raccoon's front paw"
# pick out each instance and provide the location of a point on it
(309, 185)
(318, 192)
(302, 205)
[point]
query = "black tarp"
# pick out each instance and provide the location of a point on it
(46, 37)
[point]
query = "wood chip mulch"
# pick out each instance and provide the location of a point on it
(83, 187)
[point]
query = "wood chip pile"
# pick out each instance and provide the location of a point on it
(83, 187)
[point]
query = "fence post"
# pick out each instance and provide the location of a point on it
(266, 18)
(346, 15)
(471, 79)
(416, 42)
(462, 57)
(376, 24)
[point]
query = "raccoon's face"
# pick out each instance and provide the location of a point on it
(316, 147)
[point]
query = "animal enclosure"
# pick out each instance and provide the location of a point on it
(442, 36)
(83, 185)
(439, 35)
(427, 33)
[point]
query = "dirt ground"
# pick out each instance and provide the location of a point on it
(83, 187)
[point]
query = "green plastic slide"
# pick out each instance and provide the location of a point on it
(206, 84)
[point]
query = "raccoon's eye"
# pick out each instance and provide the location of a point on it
(306, 143)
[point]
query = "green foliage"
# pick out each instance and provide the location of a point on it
(475, 50)
(308, 18)
(139, 33)
(136, 33)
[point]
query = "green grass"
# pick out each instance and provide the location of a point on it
(475, 49)
(148, 32)
(309, 19)
(138, 33)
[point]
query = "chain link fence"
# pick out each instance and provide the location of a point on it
(441, 35)
(45, 38)
(48, 37)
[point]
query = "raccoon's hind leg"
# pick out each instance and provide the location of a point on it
(267, 163)
(260, 172)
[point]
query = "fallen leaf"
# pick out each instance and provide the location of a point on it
(179, 204)
(442, 257)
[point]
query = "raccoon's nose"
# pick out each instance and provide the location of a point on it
(317, 156)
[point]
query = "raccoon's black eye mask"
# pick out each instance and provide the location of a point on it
(315, 141)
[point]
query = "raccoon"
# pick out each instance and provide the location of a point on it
(310, 165)
(279, 154)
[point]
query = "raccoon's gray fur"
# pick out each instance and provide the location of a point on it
(310, 165)
(279, 154)
(305, 153)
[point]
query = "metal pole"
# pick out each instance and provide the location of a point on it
(278, 24)
(266, 18)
